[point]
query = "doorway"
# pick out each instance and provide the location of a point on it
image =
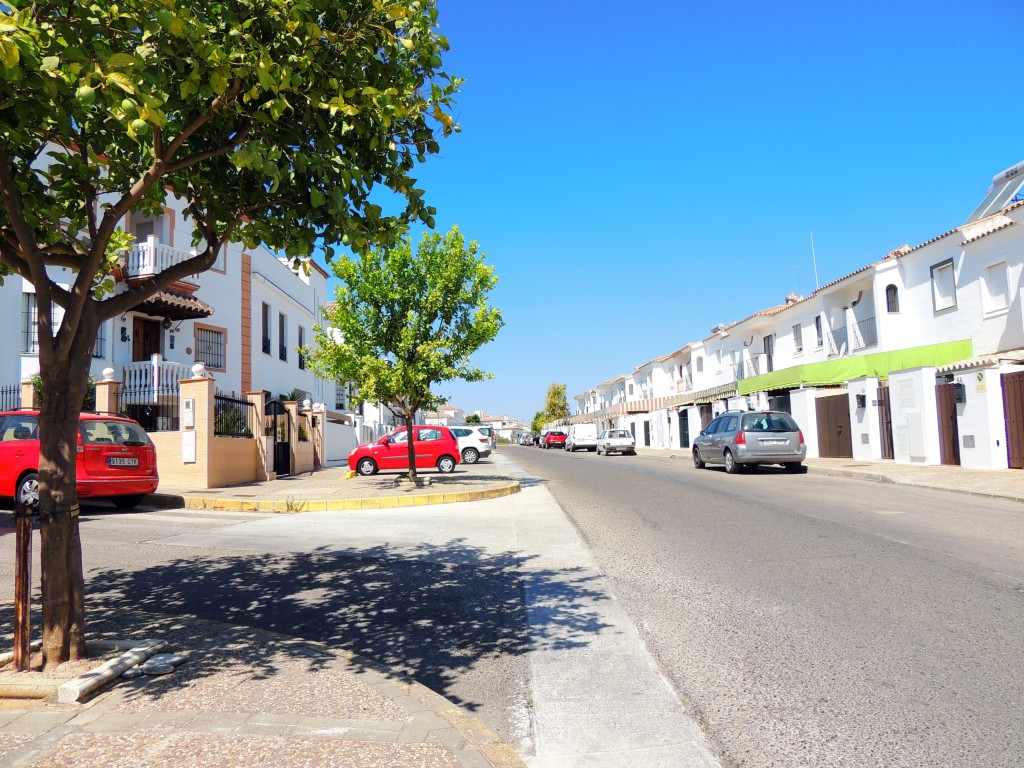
(145, 339)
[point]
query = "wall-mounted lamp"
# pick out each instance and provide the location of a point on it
(862, 401)
(315, 421)
(166, 324)
(124, 334)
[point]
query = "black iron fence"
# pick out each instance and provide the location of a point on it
(858, 335)
(233, 417)
(10, 397)
(154, 407)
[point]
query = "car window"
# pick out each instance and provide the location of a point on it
(712, 427)
(460, 432)
(781, 422)
(96, 432)
(731, 424)
(19, 427)
(618, 433)
(755, 422)
(429, 434)
(399, 438)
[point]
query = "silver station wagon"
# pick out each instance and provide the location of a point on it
(741, 438)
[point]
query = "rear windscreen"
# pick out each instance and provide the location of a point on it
(769, 422)
(112, 433)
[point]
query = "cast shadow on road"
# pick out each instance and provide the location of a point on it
(430, 613)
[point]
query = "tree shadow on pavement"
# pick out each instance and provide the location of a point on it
(431, 613)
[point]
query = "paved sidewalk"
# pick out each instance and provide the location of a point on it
(996, 483)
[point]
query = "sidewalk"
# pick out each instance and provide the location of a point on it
(996, 483)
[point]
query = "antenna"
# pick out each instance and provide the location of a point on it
(815, 260)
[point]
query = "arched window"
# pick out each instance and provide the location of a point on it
(892, 299)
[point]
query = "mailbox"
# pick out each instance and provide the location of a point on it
(862, 401)
(960, 392)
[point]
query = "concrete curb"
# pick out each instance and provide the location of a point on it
(880, 478)
(169, 501)
(135, 652)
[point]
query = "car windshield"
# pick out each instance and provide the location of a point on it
(97, 432)
(769, 422)
(557, 434)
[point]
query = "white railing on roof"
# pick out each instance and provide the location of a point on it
(152, 257)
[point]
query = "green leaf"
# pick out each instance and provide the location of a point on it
(122, 81)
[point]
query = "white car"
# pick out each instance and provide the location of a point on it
(616, 441)
(474, 443)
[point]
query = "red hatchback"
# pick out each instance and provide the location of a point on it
(116, 458)
(434, 446)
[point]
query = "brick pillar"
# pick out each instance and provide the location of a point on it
(28, 394)
(106, 392)
(200, 392)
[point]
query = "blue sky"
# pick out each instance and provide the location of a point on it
(638, 172)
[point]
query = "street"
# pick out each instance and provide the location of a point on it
(809, 620)
(804, 620)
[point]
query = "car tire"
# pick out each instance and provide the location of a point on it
(128, 502)
(446, 465)
(470, 456)
(698, 462)
(730, 463)
(366, 467)
(795, 467)
(27, 492)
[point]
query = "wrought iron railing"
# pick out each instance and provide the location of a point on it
(10, 397)
(150, 394)
(233, 417)
(850, 338)
(746, 369)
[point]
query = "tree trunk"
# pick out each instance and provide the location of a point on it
(409, 418)
(63, 584)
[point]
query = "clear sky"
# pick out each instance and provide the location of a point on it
(638, 172)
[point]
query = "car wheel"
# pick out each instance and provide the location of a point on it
(730, 463)
(698, 462)
(795, 467)
(446, 464)
(28, 490)
(128, 502)
(366, 467)
(470, 456)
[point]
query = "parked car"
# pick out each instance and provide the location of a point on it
(116, 458)
(742, 438)
(581, 436)
(616, 441)
(553, 439)
(488, 430)
(474, 443)
(435, 447)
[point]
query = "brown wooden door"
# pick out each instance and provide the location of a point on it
(145, 339)
(949, 434)
(885, 421)
(1013, 410)
(835, 439)
(705, 414)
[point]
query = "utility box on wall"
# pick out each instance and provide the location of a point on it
(960, 392)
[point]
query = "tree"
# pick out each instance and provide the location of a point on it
(473, 418)
(537, 425)
(272, 122)
(403, 321)
(556, 405)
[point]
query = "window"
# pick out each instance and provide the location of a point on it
(798, 338)
(817, 332)
(266, 328)
(100, 346)
(996, 288)
(282, 336)
(892, 299)
(30, 322)
(943, 286)
(302, 343)
(700, 365)
(429, 434)
(631, 389)
(210, 347)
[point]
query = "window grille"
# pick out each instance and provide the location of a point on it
(892, 299)
(210, 348)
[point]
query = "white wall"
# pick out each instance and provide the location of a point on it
(804, 410)
(866, 437)
(915, 426)
(982, 419)
(339, 440)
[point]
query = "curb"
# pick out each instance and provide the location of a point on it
(170, 501)
(886, 480)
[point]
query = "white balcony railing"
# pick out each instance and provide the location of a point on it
(155, 376)
(150, 257)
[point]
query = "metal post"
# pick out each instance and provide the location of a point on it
(22, 585)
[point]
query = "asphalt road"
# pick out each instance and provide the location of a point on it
(811, 620)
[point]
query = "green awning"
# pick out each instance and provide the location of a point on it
(710, 395)
(832, 372)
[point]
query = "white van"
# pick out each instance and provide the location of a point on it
(582, 436)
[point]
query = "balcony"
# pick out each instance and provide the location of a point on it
(151, 257)
(746, 369)
(853, 337)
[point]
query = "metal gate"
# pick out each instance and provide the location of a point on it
(949, 433)
(835, 440)
(684, 428)
(277, 425)
(1013, 410)
(647, 434)
(885, 421)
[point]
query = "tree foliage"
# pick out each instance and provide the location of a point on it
(473, 418)
(404, 320)
(537, 425)
(273, 123)
(556, 404)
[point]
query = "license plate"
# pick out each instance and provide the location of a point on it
(774, 442)
(122, 461)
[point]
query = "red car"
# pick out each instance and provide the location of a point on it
(116, 458)
(434, 446)
(553, 439)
